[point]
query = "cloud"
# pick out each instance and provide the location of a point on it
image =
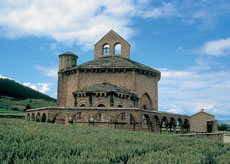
(166, 10)
(187, 91)
(72, 21)
(216, 47)
(85, 22)
(47, 71)
(41, 87)
(3, 77)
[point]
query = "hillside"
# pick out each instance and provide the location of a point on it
(13, 89)
(31, 142)
(15, 98)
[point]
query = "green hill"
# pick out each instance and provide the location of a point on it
(13, 89)
(15, 98)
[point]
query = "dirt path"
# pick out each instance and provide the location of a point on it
(226, 139)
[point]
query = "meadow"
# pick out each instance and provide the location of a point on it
(31, 142)
(14, 105)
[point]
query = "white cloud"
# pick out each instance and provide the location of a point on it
(82, 22)
(3, 77)
(41, 87)
(216, 47)
(76, 21)
(166, 10)
(47, 71)
(190, 90)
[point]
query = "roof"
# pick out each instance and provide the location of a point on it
(116, 61)
(112, 33)
(105, 87)
(201, 112)
(68, 53)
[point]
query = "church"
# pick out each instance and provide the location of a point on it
(110, 91)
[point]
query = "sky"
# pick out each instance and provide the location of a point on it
(187, 40)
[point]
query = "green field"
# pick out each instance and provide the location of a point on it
(30, 142)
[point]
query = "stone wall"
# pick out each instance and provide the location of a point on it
(199, 121)
(123, 118)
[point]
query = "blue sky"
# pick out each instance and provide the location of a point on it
(187, 40)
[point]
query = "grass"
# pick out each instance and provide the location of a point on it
(9, 103)
(31, 142)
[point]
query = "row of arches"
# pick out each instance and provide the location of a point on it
(38, 117)
(165, 124)
(99, 105)
(126, 120)
(107, 49)
(145, 103)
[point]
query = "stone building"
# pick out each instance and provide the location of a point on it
(203, 122)
(110, 91)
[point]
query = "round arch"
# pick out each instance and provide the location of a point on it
(117, 48)
(164, 124)
(43, 117)
(146, 123)
(172, 125)
(28, 117)
(38, 117)
(106, 49)
(33, 117)
(82, 103)
(156, 123)
(186, 126)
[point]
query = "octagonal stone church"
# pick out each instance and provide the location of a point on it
(110, 91)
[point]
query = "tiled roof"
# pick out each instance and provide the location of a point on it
(116, 61)
(105, 87)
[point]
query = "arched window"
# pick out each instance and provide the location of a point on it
(83, 105)
(119, 106)
(144, 107)
(101, 105)
(117, 48)
(106, 49)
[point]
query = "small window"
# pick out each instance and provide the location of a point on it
(119, 106)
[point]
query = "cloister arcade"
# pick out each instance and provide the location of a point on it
(136, 120)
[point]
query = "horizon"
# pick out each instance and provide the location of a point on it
(188, 41)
